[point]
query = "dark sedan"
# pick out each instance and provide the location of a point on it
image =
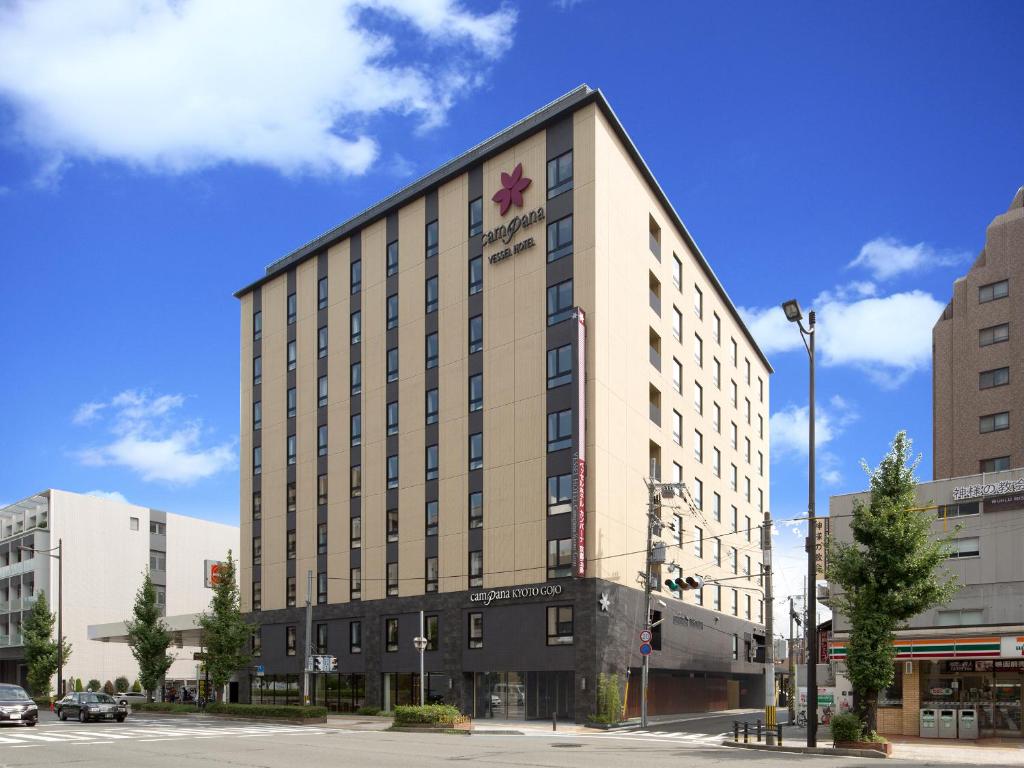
(91, 706)
(16, 706)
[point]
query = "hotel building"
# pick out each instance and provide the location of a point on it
(107, 546)
(447, 406)
(978, 358)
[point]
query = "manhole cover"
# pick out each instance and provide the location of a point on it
(566, 745)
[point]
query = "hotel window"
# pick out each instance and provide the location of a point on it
(969, 547)
(997, 464)
(746, 363)
(993, 291)
(735, 603)
(431, 238)
(560, 238)
(321, 391)
(476, 392)
(356, 327)
(716, 598)
(292, 304)
(476, 216)
(476, 451)
(257, 370)
(431, 628)
(476, 509)
(760, 426)
(476, 568)
(677, 272)
(760, 389)
(321, 539)
(732, 343)
(392, 312)
(677, 472)
(321, 598)
(698, 541)
(476, 275)
(355, 584)
(321, 630)
(257, 415)
(560, 625)
(734, 561)
(993, 335)
(392, 583)
(355, 637)
(716, 552)
(431, 515)
(698, 302)
(431, 353)
(734, 438)
(655, 238)
(716, 373)
(698, 351)
(716, 328)
(321, 293)
(994, 378)
(432, 469)
(357, 429)
(257, 642)
(677, 528)
(290, 498)
(716, 507)
(698, 493)
(392, 362)
(291, 399)
(392, 525)
(735, 519)
(476, 333)
(356, 532)
(433, 404)
(356, 378)
(760, 501)
(962, 617)
(677, 427)
(716, 462)
(356, 275)
(392, 256)
(746, 451)
(698, 446)
(257, 508)
(746, 408)
(391, 635)
(734, 396)
(995, 422)
(392, 480)
(559, 302)
(291, 449)
(733, 478)
(559, 558)
(356, 481)
(321, 440)
(698, 398)
(290, 594)
(431, 579)
(716, 418)
(560, 174)
(559, 430)
(746, 566)
(964, 509)
(257, 550)
(476, 630)
(747, 607)
(559, 494)
(289, 641)
(677, 323)
(292, 355)
(760, 463)
(257, 326)
(392, 417)
(677, 376)
(431, 294)
(257, 460)
(290, 544)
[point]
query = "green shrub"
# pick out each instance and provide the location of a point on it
(78, 685)
(108, 688)
(95, 685)
(609, 700)
(43, 702)
(368, 711)
(162, 706)
(428, 714)
(264, 710)
(846, 726)
(121, 684)
(136, 687)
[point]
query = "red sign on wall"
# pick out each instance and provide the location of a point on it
(579, 463)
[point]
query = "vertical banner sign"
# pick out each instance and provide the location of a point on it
(822, 526)
(579, 463)
(212, 572)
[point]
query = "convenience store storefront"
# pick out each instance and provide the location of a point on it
(983, 673)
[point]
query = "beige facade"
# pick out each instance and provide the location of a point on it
(978, 359)
(634, 272)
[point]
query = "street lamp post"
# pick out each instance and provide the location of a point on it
(420, 644)
(794, 315)
(59, 557)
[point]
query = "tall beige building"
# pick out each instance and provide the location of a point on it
(448, 405)
(978, 359)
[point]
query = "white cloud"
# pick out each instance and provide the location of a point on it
(87, 413)
(789, 426)
(180, 85)
(110, 495)
(149, 441)
(888, 337)
(886, 257)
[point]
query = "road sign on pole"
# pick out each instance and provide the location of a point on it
(645, 649)
(645, 636)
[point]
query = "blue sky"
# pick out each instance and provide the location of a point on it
(152, 162)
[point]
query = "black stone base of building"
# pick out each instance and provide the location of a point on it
(511, 653)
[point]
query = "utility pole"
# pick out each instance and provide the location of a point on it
(309, 637)
(769, 643)
(812, 615)
(791, 694)
(652, 499)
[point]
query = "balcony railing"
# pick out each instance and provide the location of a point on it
(14, 605)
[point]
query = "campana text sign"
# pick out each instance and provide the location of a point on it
(979, 490)
(504, 234)
(515, 593)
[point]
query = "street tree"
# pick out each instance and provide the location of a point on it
(890, 573)
(148, 637)
(121, 684)
(40, 647)
(225, 632)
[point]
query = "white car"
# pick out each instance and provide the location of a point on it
(129, 697)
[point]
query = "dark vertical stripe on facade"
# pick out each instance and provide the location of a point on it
(475, 365)
(355, 401)
(334, 340)
(257, 434)
(431, 269)
(291, 430)
(391, 390)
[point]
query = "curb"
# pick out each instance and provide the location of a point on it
(808, 750)
(497, 732)
(288, 721)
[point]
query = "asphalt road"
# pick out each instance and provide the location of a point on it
(153, 742)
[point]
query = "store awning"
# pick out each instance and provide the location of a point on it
(184, 631)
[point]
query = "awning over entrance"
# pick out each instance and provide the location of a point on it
(184, 630)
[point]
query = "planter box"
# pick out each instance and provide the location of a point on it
(883, 747)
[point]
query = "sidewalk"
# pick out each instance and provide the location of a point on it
(980, 752)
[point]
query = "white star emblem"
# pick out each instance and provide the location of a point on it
(604, 601)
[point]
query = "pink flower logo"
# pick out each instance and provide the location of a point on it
(512, 188)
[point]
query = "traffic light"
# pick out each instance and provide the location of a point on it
(682, 585)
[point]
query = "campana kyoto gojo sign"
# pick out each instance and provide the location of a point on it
(979, 490)
(488, 596)
(511, 193)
